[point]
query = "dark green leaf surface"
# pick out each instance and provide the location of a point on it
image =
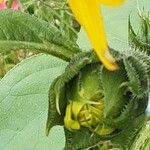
(21, 31)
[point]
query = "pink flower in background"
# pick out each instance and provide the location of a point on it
(15, 5)
(3, 5)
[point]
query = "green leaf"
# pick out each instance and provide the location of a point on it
(24, 104)
(21, 31)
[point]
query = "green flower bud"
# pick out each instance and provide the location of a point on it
(90, 100)
(86, 102)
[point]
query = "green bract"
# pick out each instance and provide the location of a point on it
(89, 97)
(142, 140)
(93, 102)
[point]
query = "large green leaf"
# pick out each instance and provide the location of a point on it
(22, 31)
(116, 24)
(24, 104)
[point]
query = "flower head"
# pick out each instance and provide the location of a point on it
(3, 4)
(88, 13)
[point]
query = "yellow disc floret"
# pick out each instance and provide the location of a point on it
(79, 114)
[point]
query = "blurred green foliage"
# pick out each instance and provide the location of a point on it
(55, 12)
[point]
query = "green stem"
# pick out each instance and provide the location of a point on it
(51, 48)
(2, 68)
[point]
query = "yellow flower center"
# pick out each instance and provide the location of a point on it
(87, 115)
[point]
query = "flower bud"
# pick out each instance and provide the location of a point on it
(86, 102)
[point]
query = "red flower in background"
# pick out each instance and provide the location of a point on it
(3, 4)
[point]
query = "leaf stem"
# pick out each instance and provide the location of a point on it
(51, 48)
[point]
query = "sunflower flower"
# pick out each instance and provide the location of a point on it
(88, 14)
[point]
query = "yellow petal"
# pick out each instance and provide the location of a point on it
(76, 108)
(70, 124)
(1, 1)
(111, 2)
(88, 14)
